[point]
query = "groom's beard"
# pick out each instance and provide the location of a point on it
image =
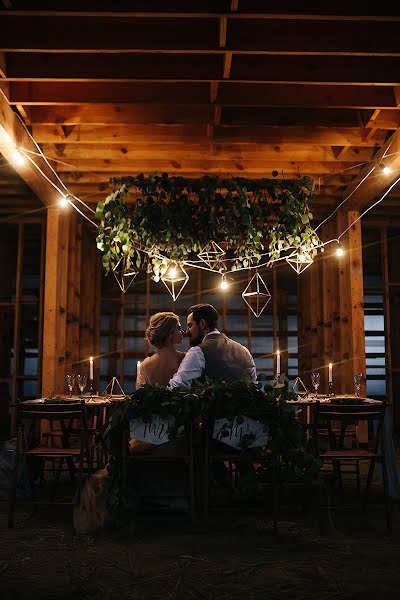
(196, 341)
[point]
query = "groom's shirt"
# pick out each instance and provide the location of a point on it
(216, 357)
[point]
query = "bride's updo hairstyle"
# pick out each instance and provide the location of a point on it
(161, 326)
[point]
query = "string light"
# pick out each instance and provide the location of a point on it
(64, 202)
(224, 284)
(385, 169)
(339, 250)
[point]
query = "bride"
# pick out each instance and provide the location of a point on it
(164, 333)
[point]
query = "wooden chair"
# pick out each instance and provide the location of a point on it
(72, 417)
(181, 454)
(337, 454)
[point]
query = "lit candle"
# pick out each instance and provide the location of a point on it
(91, 367)
(330, 373)
(278, 363)
(138, 369)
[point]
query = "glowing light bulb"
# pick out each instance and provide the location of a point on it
(17, 157)
(339, 251)
(224, 284)
(63, 202)
(302, 258)
(172, 272)
(386, 170)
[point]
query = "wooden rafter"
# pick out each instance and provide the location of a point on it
(12, 134)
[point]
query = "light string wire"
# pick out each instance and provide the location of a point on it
(194, 264)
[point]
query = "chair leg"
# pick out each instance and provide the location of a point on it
(387, 501)
(369, 481)
(13, 494)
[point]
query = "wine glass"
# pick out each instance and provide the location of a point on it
(82, 380)
(70, 379)
(315, 379)
(358, 379)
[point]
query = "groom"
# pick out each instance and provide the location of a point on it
(212, 353)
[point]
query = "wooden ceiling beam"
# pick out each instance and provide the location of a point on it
(321, 69)
(183, 134)
(102, 114)
(203, 165)
(370, 186)
(197, 32)
(300, 152)
(229, 93)
(12, 134)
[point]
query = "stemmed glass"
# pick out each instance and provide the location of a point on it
(70, 379)
(315, 378)
(358, 379)
(82, 380)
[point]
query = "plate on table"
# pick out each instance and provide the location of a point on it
(347, 400)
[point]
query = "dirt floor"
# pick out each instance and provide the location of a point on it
(239, 557)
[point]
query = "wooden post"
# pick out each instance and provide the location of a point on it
(356, 294)
(51, 303)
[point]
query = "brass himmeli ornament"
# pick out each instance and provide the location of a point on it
(124, 273)
(175, 278)
(300, 262)
(211, 254)
(256, 295)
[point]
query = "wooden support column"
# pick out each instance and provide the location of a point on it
(356, 294)
(51, 304)
(346, 349)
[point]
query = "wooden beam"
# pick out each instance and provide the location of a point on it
(227, 65)
(300, 152)
(197, 33)
(3, 70)
(158, 134)
(222, 31)
(371, 183)
(12, 134)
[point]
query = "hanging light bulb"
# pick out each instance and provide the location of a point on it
(302, 257)
(385, 169)
(172, 272)
(339, 250)
(63, 202)
(224, 284)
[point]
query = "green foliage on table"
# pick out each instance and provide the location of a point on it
(176, 217)
(286, 458)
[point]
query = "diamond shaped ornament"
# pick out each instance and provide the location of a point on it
(211, 254)
(124, 274)
(175, 278)
(300, 261)
(256, 295)
(298, 387)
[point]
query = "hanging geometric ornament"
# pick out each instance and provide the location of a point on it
(124, 273)
(175, 278)
(256, 295)
(211, 254)
(300, 261)
(298, 387)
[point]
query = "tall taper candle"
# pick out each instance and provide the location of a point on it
(278, 363)
(91, 367)
(330, 373)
